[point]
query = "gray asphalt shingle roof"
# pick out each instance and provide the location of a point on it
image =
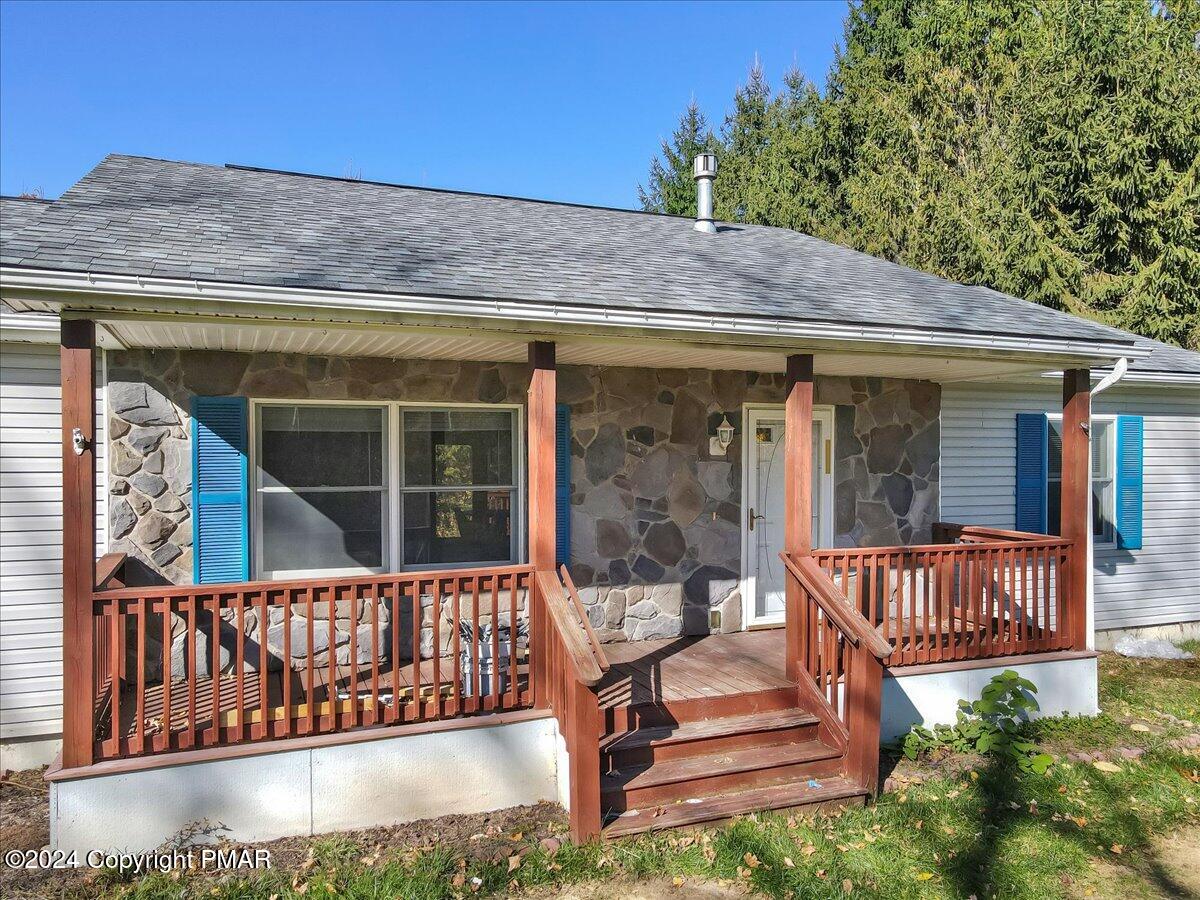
(139, 216)
(17, 212)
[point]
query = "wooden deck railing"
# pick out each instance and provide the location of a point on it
(839, 657)
(573, 663)
(990, 593)
(200, 666)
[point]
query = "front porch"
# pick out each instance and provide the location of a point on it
(634, 499)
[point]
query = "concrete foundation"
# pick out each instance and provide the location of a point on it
(1065, 687)
(332, 787)
(28, 753)
(1175, 633)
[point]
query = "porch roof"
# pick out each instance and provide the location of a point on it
(132, 216)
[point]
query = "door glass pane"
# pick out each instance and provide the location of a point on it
(457, 526)
(321, 446)
(321, 530)
(458, 447)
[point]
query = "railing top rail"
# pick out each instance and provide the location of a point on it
(955, 529)
(1042, 542)
(836, 605)
(251, 587)
(593, 641)
(554, 594)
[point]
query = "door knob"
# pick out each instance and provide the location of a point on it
(753, 517)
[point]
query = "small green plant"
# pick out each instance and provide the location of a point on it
(991, 725)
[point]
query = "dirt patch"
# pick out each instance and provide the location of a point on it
(1167, 870)
(24, 810)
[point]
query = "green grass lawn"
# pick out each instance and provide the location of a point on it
(957, 829)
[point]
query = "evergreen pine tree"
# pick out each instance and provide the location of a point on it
(671, 188)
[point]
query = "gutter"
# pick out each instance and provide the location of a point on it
(55, 290)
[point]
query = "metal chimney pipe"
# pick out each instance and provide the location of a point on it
(704, 169)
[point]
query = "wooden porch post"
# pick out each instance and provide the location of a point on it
(77, 374)
(797, 495)
(540, 410)
(1076, 489)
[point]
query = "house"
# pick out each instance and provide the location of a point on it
(421, 501)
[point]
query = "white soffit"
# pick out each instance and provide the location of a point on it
(250, 337)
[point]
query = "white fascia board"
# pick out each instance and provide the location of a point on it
(1167, 378)
(41, 328)
(24, 282)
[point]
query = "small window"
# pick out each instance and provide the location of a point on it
(321, 481)
(1103, 467)
(459, 486)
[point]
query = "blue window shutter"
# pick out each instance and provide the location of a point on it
(562, 483)
(1032, 431)
(1129, 482)
(219, 489)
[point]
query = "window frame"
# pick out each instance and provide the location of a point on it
(1110, 510)
(393, 490)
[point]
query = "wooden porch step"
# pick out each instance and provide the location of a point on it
(832, 792)
(660, 742)
(697, 776)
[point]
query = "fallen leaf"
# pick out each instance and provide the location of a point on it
(1116, 848)
(514, 863)
(787, 861)
(751, 860)
(820, 873)
(847, 886)
(516, 836)
(924, 876)
(1138, 726)
(809, 850)
(677, 881)
(1105, 766)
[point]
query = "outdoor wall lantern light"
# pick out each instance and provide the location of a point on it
(719, 444)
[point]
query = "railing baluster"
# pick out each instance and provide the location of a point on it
(139, 739)
(353, 660)
(456, 645)
(285, 673)
(512, 642)
(437, 646)
(377, 600)
(164, 741)
(239, 705)
(396, 711)
(114, 675)
(310, 683)
(213, 734)
(495, 680)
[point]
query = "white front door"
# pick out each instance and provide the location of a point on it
(762, 522)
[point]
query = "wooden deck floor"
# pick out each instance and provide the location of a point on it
(693, 668)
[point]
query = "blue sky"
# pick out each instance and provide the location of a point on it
(560, 101)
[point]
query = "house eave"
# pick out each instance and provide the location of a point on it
(65, 292)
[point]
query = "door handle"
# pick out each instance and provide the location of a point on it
(753, 517)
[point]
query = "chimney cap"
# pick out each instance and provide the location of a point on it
(705, 165)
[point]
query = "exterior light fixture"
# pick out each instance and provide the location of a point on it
(717, 446)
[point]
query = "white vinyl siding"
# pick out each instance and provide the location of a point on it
(31, 537)
(1157, 585)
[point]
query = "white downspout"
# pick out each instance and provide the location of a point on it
(1117, 373)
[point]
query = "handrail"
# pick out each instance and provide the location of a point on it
(346, 581)
(109, 567)
(836, 605)
(597, 649)
(954, 529)
(999, 544)
(586, 668)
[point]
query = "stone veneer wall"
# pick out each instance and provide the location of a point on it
(656, 544)
(656, 519)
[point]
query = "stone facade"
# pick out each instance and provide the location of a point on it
(655, 518)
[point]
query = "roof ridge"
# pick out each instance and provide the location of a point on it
(25, 199)
(454, 191)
